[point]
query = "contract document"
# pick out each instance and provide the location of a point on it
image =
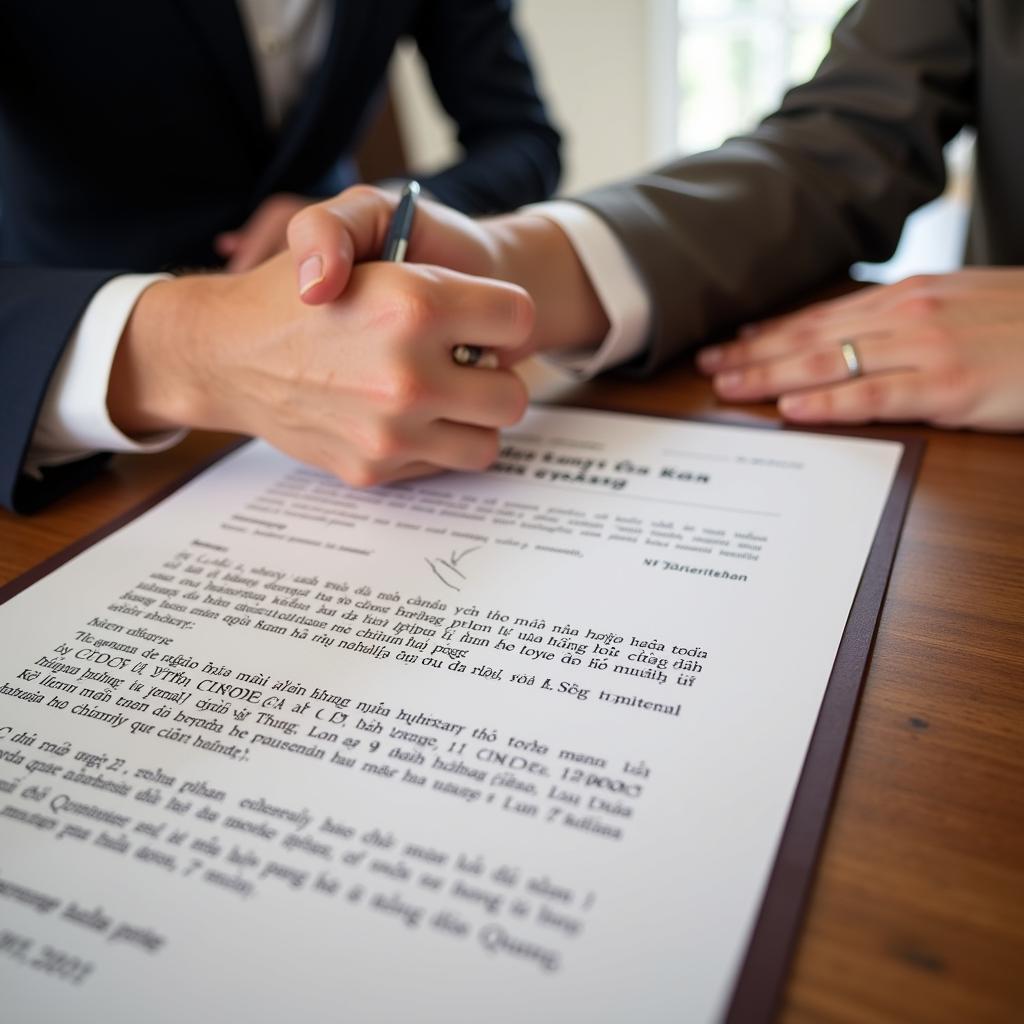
(511, 746)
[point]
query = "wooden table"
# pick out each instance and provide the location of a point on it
(917, 914)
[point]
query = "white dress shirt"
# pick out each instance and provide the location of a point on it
(288, 39)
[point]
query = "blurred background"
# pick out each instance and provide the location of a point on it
(632, 82)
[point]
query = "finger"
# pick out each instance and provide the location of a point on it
(327, 238)
(361, 474)
(432, 309)
(752, 348)
(412, 470)
(775, 339)
(903, 395)
(249, 256)
(484, 398)
(386, 453)
(475, 310)
(458, 446)
(822, 364)
(783, 335)
(794, 338)
(261, 238)
(870, 300)
(407, 471)
(509, 358)
(225, 243)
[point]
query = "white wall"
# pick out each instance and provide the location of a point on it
(592, 59)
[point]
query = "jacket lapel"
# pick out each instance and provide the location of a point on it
(219, 27)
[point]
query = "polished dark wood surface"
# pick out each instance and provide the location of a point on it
(917, 913)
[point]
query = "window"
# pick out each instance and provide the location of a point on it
(736, 58)
(732, 62)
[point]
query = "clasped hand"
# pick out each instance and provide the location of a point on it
(337, 359)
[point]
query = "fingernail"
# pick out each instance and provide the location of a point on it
(729, 381)
(792, 405)
(709, 358)
(311, 272)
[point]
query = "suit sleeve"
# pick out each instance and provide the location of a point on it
(482, 76)
(39, 309)
(725, 237)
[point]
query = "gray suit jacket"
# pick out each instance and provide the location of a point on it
(724, 237)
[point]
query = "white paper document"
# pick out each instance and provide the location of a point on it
(501, 747)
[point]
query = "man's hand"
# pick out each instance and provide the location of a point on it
(947, 349)
(263, 235)
(363, 387)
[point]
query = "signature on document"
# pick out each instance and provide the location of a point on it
(447, 570)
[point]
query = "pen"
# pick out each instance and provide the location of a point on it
(397, 242)
(395, 246)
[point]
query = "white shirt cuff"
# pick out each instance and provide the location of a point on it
(74, 421)
(616, 282)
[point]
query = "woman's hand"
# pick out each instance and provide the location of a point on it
(263, 235)
(947, 349)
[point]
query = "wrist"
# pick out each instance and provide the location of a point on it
(155, 380)
(532, 251)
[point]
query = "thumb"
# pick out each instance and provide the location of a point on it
(226, 243)
(327, 239)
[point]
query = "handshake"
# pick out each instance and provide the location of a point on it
(345, 362)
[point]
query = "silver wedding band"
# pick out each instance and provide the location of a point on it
(474, 355)
(850, 357)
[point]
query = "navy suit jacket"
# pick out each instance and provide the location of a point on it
(132, 133)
